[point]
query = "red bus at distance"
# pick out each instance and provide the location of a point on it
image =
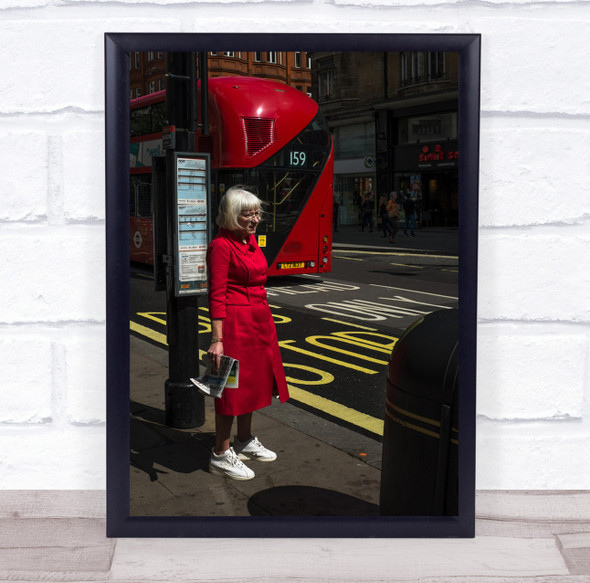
(266, 136)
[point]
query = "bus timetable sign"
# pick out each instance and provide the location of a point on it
(192, 223)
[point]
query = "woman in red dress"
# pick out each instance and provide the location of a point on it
(243, 328)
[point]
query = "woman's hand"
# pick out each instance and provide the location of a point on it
(215, 353)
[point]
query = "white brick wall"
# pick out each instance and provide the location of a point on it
(534, 273)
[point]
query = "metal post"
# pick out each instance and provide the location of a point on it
(185, 406)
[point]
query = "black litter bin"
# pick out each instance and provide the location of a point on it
(419, 472)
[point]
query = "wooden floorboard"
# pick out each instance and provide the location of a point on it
(536, 537)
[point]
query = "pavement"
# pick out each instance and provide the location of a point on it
(322, 469)
(428, 240)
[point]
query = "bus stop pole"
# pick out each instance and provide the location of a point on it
(185, 406)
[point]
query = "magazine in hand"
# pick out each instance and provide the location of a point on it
(213, 382)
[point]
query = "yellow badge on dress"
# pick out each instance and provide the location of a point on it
(262, 240)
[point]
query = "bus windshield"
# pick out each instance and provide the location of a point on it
(286, 180)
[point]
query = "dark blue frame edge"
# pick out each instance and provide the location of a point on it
(119, 524)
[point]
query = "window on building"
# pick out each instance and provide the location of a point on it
(298, 60)
(228, 54)
(436, 65)
(427, 128)
(137, 60)
(152, 87)
(150, 56)
(354, 141)
(325, 84)
(422, 67)
(258, 57)
(272, 57)
(137, 92)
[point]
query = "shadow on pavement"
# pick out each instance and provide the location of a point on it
(308, 501)
(176, 450)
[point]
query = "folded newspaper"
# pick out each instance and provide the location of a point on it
(214, 381)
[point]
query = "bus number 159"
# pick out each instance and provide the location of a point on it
(297, 158)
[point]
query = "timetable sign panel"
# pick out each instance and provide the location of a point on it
(193, 225)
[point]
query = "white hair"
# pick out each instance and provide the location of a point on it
(234, 202)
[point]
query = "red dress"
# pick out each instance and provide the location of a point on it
(237, 274)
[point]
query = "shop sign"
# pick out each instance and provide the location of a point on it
(437, 154)
(433, 156)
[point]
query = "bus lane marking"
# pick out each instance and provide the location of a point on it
(358, 338)
(325, 378)
(394, 253)
(315, 341)
(364, 310)
(349, 324)
(410, 301)
(287, 344)
(413, 291)
(353, 337)
(311, 288)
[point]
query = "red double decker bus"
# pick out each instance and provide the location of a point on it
(266, 136)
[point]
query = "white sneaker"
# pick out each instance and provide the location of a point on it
(253, 450)
(228, 464)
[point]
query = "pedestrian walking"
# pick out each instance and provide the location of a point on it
(384, 216)
(393, 214)
(367, 213)
(243, 328)
(410, 212)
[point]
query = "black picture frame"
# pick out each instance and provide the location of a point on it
(118, 47)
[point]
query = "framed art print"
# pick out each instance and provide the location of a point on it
(363, 150)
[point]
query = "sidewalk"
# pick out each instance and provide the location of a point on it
(433, 240)
(311, 477)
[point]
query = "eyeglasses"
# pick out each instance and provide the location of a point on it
(252, 215)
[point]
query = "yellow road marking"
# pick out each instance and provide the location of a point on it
(337, 410)
(288, 345)
(407, 265)
(154, 316)
(152, 334)
(348, 258)
(315, 341)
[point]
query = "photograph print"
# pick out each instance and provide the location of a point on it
(287, 225)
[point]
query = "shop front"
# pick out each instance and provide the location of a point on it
(429, 173)
(352, 180)
(424, 163)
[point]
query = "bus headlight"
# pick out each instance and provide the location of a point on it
(312, 263)
(324, 260)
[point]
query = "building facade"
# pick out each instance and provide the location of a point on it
(394, 121)
(148, 69)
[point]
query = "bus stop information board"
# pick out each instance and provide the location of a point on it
(193, 231)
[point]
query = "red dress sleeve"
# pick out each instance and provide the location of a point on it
(218, 260)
